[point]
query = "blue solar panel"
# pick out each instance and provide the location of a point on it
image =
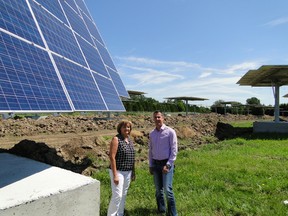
(77, 23)
(93, 57)
(17, 19)
(105, 55)
(83, 8)
(109, 92)
(53, 7)
(72, 4)
(92, 28)
(58, 36)
(80, 85)
(54, 59)
(118, 83)
(27, 78)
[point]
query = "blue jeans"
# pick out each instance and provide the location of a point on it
(163, 185)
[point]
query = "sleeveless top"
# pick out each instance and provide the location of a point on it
(125, 155)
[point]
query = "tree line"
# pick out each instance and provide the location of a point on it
(140, 103)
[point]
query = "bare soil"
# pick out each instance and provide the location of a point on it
(81, 143)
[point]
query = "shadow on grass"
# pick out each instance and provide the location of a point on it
(137, 212)
(141, 212)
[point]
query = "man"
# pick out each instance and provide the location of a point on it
(162, 155)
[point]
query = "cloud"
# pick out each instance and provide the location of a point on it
(150, 61)
(153, 77)
(161, 79)
(244, 66)
(277, 22)
(205, 74)
(173, 66)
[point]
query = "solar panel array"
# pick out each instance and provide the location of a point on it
(53, 59)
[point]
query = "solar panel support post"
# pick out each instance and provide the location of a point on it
(276, 106)
(194, 108)
(186, 107)
(7, 115)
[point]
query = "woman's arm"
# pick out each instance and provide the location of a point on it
(112, 155)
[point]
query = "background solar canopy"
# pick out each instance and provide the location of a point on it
(53, 59)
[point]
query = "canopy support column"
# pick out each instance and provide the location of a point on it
(276, 106)
(186, 107)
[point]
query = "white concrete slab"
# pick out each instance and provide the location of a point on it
(270, 127)
(25, 183)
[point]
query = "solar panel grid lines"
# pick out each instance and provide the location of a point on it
(118, 82)
(100, 67)
(92, 57)
(53, 59)
(90, 51)
(59, 37)
(76, 22)
(106, 87)
(92, 28)
(53, 8)
(18, 20)
(72, 4)
(24, 70)
(105, 55)
(79, 82)
(63, 87)
(82, 7)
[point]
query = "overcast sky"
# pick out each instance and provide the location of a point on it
(197, 48)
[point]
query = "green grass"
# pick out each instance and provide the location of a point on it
(233, 177)
(242, 124)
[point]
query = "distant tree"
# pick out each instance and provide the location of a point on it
(255, 104)
(253, 101)
(218, 103)
(181, 106)
(128, 106)
(218, 107)
(136, 107)
(142, 103)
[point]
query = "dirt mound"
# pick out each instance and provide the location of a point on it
(81, 143)
(76, 156)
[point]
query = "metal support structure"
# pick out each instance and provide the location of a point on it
(276, 105)
(186, 107)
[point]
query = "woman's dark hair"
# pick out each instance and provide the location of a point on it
(124, 123)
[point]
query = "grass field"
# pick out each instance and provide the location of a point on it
(233, 177)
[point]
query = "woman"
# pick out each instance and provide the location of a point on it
(122, 158)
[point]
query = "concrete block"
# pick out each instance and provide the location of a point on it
(28, 187)
(270, 127)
